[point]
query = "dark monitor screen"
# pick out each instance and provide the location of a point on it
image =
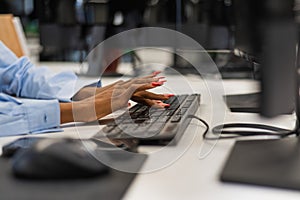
(266, 32)
(16, 7)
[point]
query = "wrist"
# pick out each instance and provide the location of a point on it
(66, 113)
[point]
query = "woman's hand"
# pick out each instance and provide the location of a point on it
(90, 107)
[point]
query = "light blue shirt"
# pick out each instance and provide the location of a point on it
(38, 92)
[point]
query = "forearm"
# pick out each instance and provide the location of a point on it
(66, 113)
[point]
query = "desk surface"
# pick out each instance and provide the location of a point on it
(194, 174)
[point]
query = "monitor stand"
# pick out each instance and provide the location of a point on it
(243, 102)
(274, 163)
(249, 103)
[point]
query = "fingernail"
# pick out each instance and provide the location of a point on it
(164, 104)
(167, 105)
(129, 104)
(169, 95)
(155, 84)
(156, 72)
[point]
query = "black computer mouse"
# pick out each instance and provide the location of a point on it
(57, 159)
(10, 149)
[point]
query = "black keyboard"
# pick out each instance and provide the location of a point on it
(154, 126)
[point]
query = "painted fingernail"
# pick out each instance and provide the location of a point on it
(155, 84)
(156, 72)
(129, 104)
(169, 95)
(167, 105)
(164, 105)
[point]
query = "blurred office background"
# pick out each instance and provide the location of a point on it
(83, 23)
(67, 30)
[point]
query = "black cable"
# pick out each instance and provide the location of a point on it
(265, 130)
(203, 122)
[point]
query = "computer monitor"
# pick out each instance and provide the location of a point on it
(266, 33)
(17, 7)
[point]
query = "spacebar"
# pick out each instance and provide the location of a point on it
(141, 132)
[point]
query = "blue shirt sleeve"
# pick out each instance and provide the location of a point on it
(43, 89)
(21, 78)
(23, 116)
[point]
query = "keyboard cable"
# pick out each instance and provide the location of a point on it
(225, 131)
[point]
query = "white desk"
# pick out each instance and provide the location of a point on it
(189, 176)
(192, 177)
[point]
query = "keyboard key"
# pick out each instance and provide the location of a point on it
(155, 128)
(107, 129)
(135, 108)
(183, 111)
(174, 105)
(176, 118)
(170, 100)
(182, 98)
(142, 109)
(114, 132)
(191, 98)
(169, 112)
(140, 120)
(163, 119)
(156, 112)
(128, 120)
(187, 104)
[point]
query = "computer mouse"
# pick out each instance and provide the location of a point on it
(57, 159)
(13, 147)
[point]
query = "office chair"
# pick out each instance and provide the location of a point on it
(12, 35)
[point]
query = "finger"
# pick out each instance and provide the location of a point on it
(151, 85)
(150, 78)
(158, 83)
(146, 86)
(150, 95)
(156, 103)
(134, 87)
(155, 73)
(150, 102)
(141, 81)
